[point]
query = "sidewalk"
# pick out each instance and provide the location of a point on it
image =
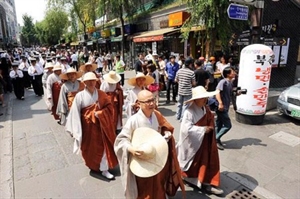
(253, 163)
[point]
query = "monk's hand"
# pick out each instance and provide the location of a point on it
(167, 135)
(135, 152)
(209, 129)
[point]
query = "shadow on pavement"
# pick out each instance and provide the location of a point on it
(240, 143)
(166, 112)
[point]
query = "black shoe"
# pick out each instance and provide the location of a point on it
(174, 100)
(220, 147)
(168, 102)
(220, 142)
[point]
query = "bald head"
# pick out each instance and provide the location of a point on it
(144, 95)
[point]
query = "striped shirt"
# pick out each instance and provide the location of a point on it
(185, 77)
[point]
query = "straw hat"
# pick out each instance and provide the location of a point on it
(89, 76)
(49, 65)
(83, 67)
(155, 150)
(149, 79)
(64, 76)
(112, 77)
(200, 92)
(57, 67)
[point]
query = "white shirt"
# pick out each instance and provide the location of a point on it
(149, 57)
(99, 61)
(13, 74)
(35, 70)
(24, 66)
(74, 57)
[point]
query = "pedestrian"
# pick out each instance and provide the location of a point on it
(111, 86)
(74, 59)
(171, 69)
(16, 76)
(109, 61)
(140, 82)
(144, 174)
(139, 64)
(202, 76)
(154, 87)
(24, 68)
(185, 78)
(64, 64)
(223, 122)
(53, 89)
(99, 62)
(89, 123)
(211, 69)
(120, 69)
(162, 72)
(197, 149)
(68, 91)
(36, 73)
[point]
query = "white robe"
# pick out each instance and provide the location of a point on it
(24, 66)
(191, 136)
(106, 87)
(18, 73)
(64, 68)
(62, 105)
(131, 100)
(123, 141)
(73, 125)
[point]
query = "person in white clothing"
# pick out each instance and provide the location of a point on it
(74, 59)
(99, 62)
(36, 73)
(64, 65)
(24, 65)
(17, 80)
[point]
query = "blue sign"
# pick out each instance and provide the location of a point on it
(238, 12)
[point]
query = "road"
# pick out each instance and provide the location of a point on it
(259, 160)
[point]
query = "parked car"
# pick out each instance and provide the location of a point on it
(288, 102)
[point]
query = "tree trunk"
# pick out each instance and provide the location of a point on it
(213, 39)
(122, 31)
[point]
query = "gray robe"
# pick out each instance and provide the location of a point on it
(130, 100)
(62, 105)
(191, 136)
(122, 142)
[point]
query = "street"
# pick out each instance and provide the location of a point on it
(258, 161)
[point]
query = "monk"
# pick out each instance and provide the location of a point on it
(89, 122)
(111, 86)
(139, 82)
(67, 93)
(90, 67)
(167, 181)
(53, 85)
(197, 149)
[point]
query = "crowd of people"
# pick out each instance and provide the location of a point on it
(84, 92)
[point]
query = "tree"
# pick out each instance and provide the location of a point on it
(85, 10)
(28, 31)
(212, 15)
(52, 28)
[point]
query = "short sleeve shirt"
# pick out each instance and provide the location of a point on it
(225, 87)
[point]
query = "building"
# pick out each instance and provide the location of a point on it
(8, 24)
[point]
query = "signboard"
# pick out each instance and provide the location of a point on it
(275, 41)
(178, 18)
(280, 53)
(115, 32)
(238, 12)
(148, 39)
(154, 47)
(141, 27)
(129, 29)
(164, 24)
(105, 33)
(254, 75)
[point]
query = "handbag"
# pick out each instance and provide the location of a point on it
(153, 87)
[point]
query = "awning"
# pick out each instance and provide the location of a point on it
(74, 43)
(194, 29)
(155, 35)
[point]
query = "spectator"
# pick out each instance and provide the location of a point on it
(139, 64)
(202, 76)
(211, 68)
(171, 69)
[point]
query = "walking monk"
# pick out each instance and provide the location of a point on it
(53, 86)
(67, 93)
(112, 88)
(164, 177)
(197, 149)
(89, 122)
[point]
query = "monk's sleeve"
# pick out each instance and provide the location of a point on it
(62, 104)
(190, 140)
(73, 124)
(163, 123)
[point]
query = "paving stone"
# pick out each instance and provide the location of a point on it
(20, 143)
(22, 173)
(286, 138)
(20, 151)
(21, 161)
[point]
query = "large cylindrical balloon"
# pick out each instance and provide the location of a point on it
(254, 75)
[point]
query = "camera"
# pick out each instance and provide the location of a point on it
(239, 90)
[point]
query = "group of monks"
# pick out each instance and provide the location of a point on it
(90, 106)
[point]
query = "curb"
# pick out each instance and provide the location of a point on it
(6, 154)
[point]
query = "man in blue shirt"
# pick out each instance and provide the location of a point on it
(171, 69)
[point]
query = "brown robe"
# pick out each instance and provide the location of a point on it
(117, 99)
(55, 96)
(206, 165)
(98, 134)
(169, 179)
(71, 95)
